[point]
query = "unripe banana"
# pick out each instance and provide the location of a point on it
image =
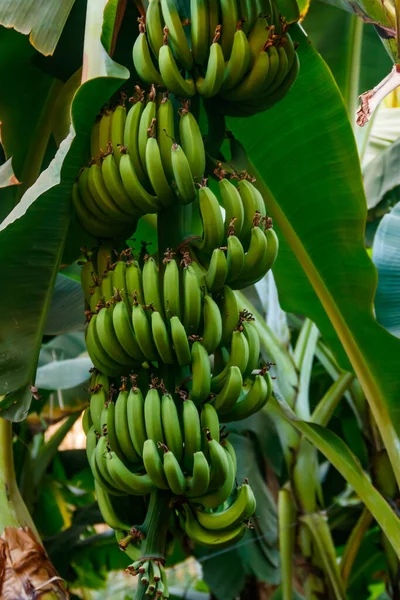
(154, 26)
(173, 473)
(166, 133)
(87, 280)
(180, 342)
(191, 432)
(229, 23)
(134, 284)
(235, 257)
(125, 334)
(153, 465)
(142, 329)
(210, 85)
(182, 175)
(198, 483)
(135, 416)
(176, 33)
(192, 300)
(212, 328)
(205, 537)
(86, 420)
(239, 356)
(217, 271)
(156, 173)
(108, 339)
(98, 397)
(171, 426)
(229, 308)
(94, 139)
(117, 130)
(133, 483)
(228, 396)
(201, 374)
(253, 339)
(232, 203)
(105, 130)
(98, 354)
(209, 420)
(219, 463)
(161, 338)
(115, 187)
(151, 285)
(214, 499)
(173, 80)
(122, 428)
(242, 508)
(131, 137)
(142, 59)
(199, 30)
(152, 416)
(239, 60)
(251, 402)
(107, 510)
(212, 221)
(143, 200)
(171, 286)
(146, 119)
(192, 143)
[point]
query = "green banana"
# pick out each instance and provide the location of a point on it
(217, 271)
(254, 82)
(180, 342)
(112, 490)
(125, 334)
(173, 473)
(182, 175)
(133, 483)
(97, 353)
(171, 426)
(156, 173)
(229, 309)
(98, 397)
(177, 37)
(133, 278)
(229, 22)
(151, 284)
(283, 70)
(198, 483)
(87, 198)
(108, 428)
(143, 200)
(210, 538)
(264, 266)
(87, 280)
(122, 427)
(154, 26)
(239, 60)
(214, 499)
(173, 80)
(209, 420)
(142, 59)
(219, 463)
(146, 120)
(251, 402)
(92, 224)
(94, 138)
(233, 205)
(135, 417)
(191, 432)
(142, 329)
(192, 143)
(161, 338)
(240, 509)
(235, 258)
(86, 420)
(212, 325)
(199, 30)
(253, 339)
(166, 133)
(131, 137)
(108, 339)
(117, 130)
(201, 374)
(226, 399)
(211, 83)
(107, 510)
(239, 356)
(101, 195)
(153, 465)
(214, 19)
(115, 187)
(171, 286)
(192, 300)
(259, 36)
(152, 416)
(107, 286)
(212, 221)
(105, 130)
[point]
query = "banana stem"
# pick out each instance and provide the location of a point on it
(13, 512)
(353, 544)
(155, 529)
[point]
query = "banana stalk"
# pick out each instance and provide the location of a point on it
(26, 562)
(154, 530)
(287, 539)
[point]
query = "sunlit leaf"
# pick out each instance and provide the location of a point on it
(307, 166)
(43, 20)
(7, 176)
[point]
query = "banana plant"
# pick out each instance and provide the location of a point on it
(306, 163)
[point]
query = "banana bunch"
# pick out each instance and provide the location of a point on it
(237, 50)
(137, 166)
(152, 575)
(241, 248)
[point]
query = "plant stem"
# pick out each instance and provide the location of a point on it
(353, 544)
(155, 529)
(13, 512)
(351, 91)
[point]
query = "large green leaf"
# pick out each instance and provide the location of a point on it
(32, 237)
(304, 151)
(348, 465)
(386, 256)
(42, 19)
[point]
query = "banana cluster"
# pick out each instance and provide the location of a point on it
(139, 441)
(138, 167)
(238, 50)
(242, 247)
